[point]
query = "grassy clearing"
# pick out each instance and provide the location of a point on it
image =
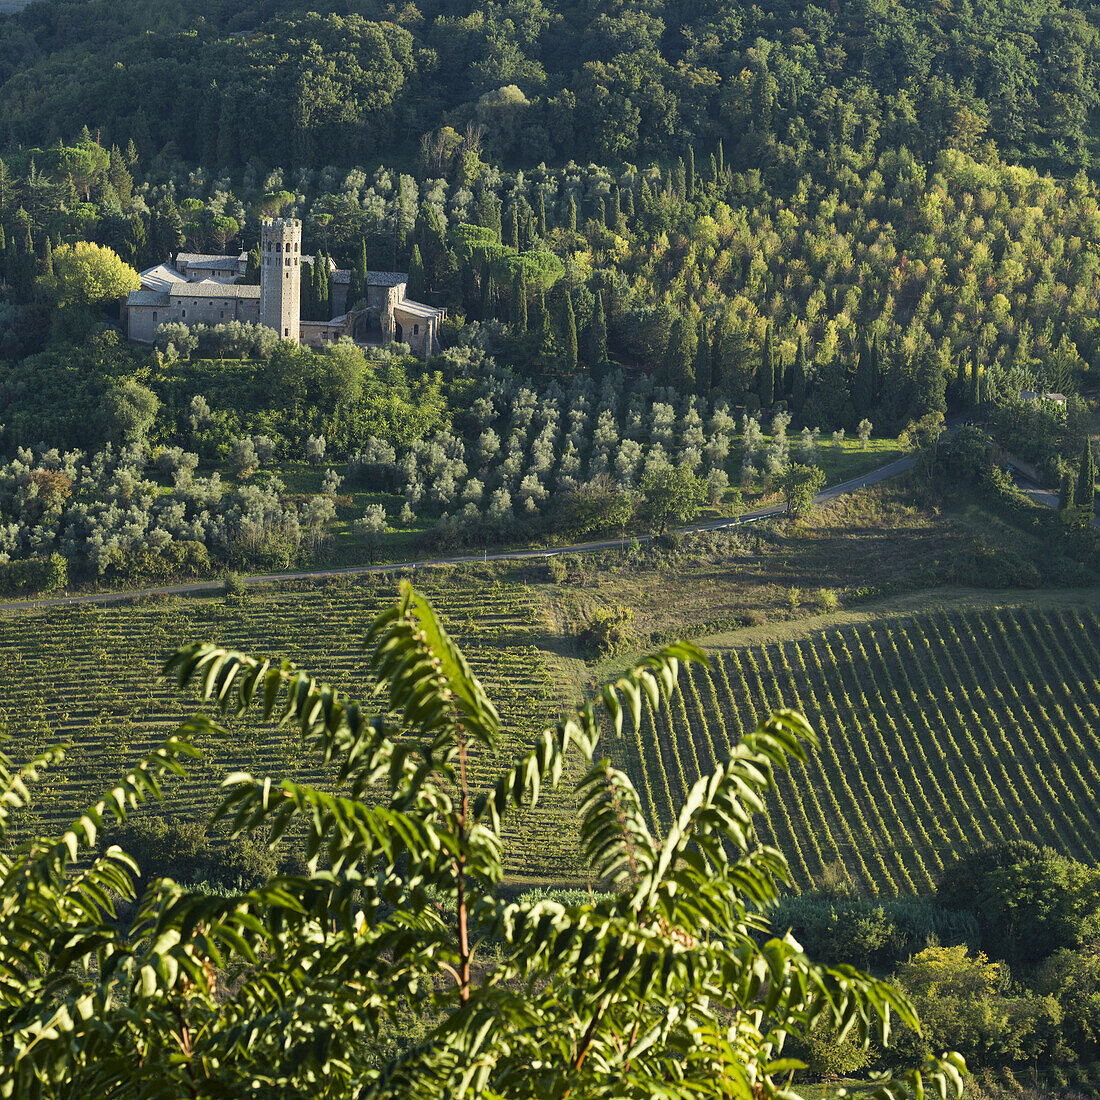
(866, 546)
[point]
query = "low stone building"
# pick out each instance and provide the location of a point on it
(197, 289)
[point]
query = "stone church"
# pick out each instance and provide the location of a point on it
(197, 289)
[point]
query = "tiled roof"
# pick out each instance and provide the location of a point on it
(209, 289)
(197, 259)
(148, 298)
(161, 277)
(386, 278)
(417, 309)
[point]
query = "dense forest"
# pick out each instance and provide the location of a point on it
(792, 88)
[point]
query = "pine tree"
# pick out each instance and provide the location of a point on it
(1085, 492)
(798, 382)
(540, 213)
(415, 287)
(863, 384)
(597, 337)
(766, 380)
(519, 305)
(1065, 492)
(689, 178)
(569, 331)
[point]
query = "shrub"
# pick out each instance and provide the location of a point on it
(608, 631)
(986, 567)
(34, 576)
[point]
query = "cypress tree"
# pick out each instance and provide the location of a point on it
(1065, 492)
(569, 329)
(305, 294)
(974, 384)
(571, 215)
(539, 322)
(680, 179)
(488, 295)
(415, 286)
(645, 202)
(1085, 493)
(702, 366)
(519, 305)
(47, 257)
(600, 212)
(597, 337)
(679, 370)
(689, 177)
(876, 369)
(540, 214)
(863, 386)
(713, 170)
(798, 382)
(721, 158)
(766, 381)
(527, 236)
(511, 238)
(615, 217)
(960, 379)
(628, 203)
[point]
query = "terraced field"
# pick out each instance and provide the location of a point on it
(90, 676)
(940, 732)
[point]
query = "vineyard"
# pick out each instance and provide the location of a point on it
(940, 732)
(90, 677)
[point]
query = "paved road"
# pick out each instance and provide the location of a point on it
(1046, 497)
(892, 469)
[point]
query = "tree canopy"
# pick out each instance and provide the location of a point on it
(670, 982)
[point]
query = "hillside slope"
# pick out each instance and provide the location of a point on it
(940, 732)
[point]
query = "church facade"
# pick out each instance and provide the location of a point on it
(199, 289)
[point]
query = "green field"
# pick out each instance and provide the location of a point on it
(90, 677)
(940, 732)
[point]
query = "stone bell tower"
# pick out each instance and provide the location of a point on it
(281, 276)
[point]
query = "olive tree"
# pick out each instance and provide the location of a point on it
(669, 984)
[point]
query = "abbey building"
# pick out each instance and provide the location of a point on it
(196, 289)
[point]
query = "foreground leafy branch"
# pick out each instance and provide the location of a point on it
(666, 985)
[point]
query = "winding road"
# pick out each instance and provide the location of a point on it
(891, 469)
